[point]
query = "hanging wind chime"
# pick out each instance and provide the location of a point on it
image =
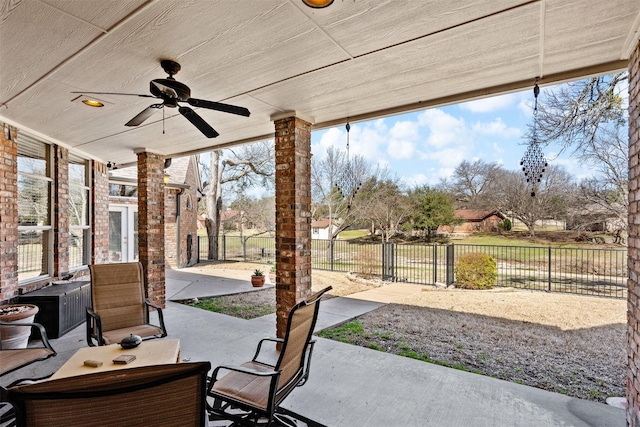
(533, 162)
(348, 184)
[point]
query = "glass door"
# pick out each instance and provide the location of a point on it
(123, 233)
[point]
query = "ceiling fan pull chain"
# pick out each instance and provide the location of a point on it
(163, 121)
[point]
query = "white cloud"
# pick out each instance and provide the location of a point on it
(415, 180)
(496, 128)
(487, 105)
(444, 129)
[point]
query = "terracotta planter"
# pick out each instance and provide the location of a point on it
(16, 336)
(257, 281)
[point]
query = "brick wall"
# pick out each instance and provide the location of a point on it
(151, 223)
(60, 210)
(293, 215)
(633, 301)
(8, 213)
(170, 228)
(100, 211)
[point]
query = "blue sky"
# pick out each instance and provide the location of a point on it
(422, 147)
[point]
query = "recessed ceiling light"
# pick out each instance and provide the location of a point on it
(92, 103)
(317, 3)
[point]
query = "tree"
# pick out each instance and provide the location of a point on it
(242, 167)
(431, 208)
(384, 205)
(336, 183)
(259, 214)
(511, 194)
(577, 113)
(590, 117)
(470, 182)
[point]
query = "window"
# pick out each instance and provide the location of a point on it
(123, 190)
(34, 208)
(79, 230)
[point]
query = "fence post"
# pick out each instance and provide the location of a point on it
(331, 253)
(224, 247)
(435, 263)
(198, 246)
(549, 268)
(388, 268)
(450, 264)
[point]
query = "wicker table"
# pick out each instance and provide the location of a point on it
(153, 352)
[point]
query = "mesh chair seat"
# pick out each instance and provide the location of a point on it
(116, 335)
(14, 359)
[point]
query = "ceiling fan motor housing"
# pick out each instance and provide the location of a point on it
(182, 90)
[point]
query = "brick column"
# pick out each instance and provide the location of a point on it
(99, 213)
(61, 211)
(8, 213)
(293, 215)
(151, 223)
(633, 299)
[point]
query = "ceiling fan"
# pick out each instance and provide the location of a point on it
(171, 91)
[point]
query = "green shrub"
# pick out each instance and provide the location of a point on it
(506, 224)
(476, 271)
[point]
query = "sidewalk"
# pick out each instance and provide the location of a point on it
(353, 386)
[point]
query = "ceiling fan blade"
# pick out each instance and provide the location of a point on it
(144, 115)
(165, 89)
(198, 122)
(114, 93)
(227, 108)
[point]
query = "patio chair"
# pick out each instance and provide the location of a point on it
(13, 359)
(251, 394)
(119, 307)
(160, 395)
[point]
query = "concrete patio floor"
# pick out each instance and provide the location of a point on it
(349, 385)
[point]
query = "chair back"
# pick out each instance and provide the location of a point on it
(117, 294)
(161, 395)
(300, 325)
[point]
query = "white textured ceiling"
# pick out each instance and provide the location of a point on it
(357, 58)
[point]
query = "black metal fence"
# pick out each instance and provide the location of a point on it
(573, 270)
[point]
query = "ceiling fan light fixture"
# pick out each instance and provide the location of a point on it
(92, 103)
(317, 4)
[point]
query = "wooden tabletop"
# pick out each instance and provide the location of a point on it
(152, 352)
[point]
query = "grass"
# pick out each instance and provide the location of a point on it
(224, 306)
(353, 234)
(353, 333)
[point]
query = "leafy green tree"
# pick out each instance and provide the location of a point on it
(431, 208)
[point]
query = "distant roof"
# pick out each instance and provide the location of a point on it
(177, 171)
(321, 223)
(476, 214)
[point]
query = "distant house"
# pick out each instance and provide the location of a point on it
(181, 194)
(474, 220)
(320, 228)
(593, 217)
